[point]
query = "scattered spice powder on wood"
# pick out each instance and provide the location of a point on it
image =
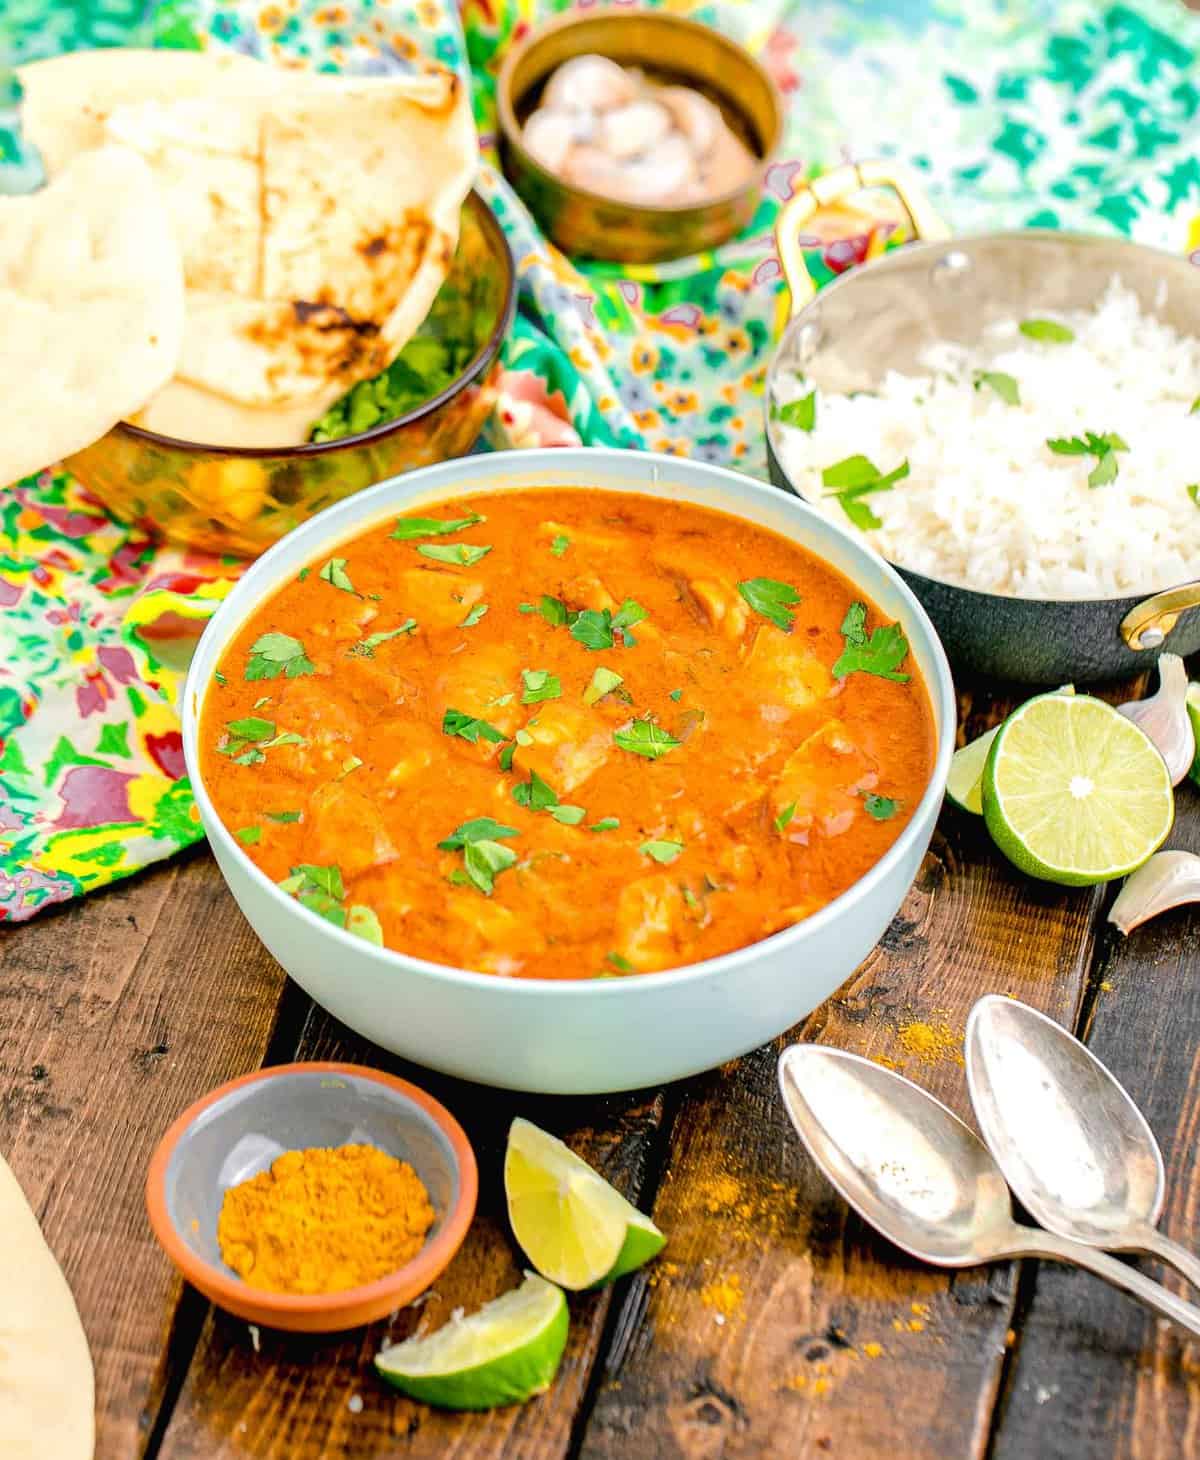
(930, 1042)
(723, 1294)
(322, 1220)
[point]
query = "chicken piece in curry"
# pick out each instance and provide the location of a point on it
(566, 734)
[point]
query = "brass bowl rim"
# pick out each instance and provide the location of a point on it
(480, 362)
(510, 131)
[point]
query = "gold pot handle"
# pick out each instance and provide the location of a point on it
(1148, 623)
(835, 187)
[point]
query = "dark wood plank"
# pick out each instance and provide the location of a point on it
(778, 1325)
(1094, 1373)
(308, 1399)
(114, 1014)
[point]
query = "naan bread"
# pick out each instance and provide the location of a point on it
(317, 217)
(47, 1388)
(91, 299)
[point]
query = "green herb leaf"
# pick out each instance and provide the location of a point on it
(784, 818)
(560, 545)
(644, 737)
(882, 808)
(274, 654)
(553, 610)
(251, 728)
(593, 629)
(363, 922)
(219, 677)
(469, 727)
(1195, 407)
(772, 599)
(328, 879)
(859, 513)
(539, 684)
(880, 654)
(463, 554)
(249, 835)
(604, 681)
(411, 527)
(365, 648)
(676, 695)
(474, 616)
(802, 413)
(284, 817)
(630, 612)
(482, 828)
(620, 962)
(483, 861)
(1105, 470)
(1193, 492)
(664, 852)
(285, 737)
(303, 574)
(506, 756)
(1067, 445)
(1005, 386)
(851, 471)
(334, 572)
(319, 889)
(534, 793)
(1048, 331)
(568, 815)
(606, 823)
(1103, 446)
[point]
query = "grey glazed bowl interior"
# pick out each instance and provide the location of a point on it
(879, 318)
(244, 1130)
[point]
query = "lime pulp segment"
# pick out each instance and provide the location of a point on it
(964, 785)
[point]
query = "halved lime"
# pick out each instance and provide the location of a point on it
(964, 785)
(575, 1228)
(1193, 708)
(504, 1354)
(1075, 793)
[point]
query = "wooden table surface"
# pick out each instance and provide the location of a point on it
(775, 1325)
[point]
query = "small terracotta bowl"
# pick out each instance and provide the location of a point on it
(240, 1128)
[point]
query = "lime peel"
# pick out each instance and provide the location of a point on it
(505, 1353)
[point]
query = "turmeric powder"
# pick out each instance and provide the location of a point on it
(324, 1219)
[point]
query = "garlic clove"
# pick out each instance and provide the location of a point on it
(590, 83)
(699, 119)
(1167, 880)
(629, 130)
(1164, 717)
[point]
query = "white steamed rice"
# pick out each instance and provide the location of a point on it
(987, 505)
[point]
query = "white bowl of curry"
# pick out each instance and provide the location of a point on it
(569, 771)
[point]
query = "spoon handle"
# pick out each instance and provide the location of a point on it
(1033, 1242)
(1154, 1244)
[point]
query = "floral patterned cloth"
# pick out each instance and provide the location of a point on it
(1050, 112)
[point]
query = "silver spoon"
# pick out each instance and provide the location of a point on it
(913, 1170)
(1073, 1145)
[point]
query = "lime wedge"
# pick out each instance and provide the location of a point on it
(504, 1354)
(1193, 709)
(1075, 793)
(965, 783)
(575, 1228)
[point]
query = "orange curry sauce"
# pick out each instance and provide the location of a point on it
(726, 785)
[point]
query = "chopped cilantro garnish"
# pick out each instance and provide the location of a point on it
(219, 677)
(771, 599)
(535, 793)
(249, 835)
(1005, 386)
(856, 477)
(783, 820)
(469, 727)
(539, 684)
(251, 728)
(410, 527)
(882, 808)
(604, 681)
(482, 828)
(1103, 447)
(1195, 407)
(880, 654)
(1048, 331)
(286, 737)
(363, 922)
(474, 616)
(801, 414)
(560, 544)
(620, 962)
(662, 851)
(334, 572)
(274, 654)
(319, 889)
(568, 815)
(606, 823)
(1193, 492)
(599, 629)
(506, 756)
(284, 817)
(303, 574)
(553, 610)
(365, 648)
(676, 694)
(464, 554)
(644, 737)
(483, 861)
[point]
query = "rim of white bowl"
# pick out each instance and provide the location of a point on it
(354, 514)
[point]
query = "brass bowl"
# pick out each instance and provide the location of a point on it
(240, 500)
(587, 224)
